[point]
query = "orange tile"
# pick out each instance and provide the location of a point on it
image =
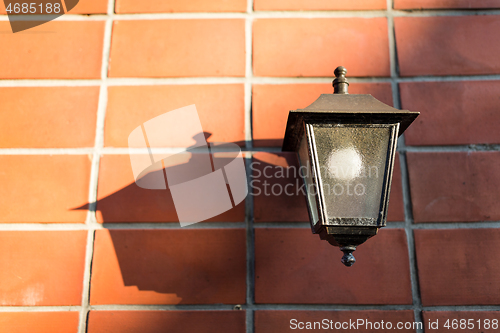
(44, 188)
(458, 267)
(167, 321)
(172, 48)
(42, 267)
(271, 104)
(454, 186)
(39, 322)
(444, 4)
(278, 171)
(121, 200)
(220, 108)
(82, 7)
(318, 5)
(188, 266)
(172, 6)
(54, 50)
(435, 45)
(462, 321)
(271, 321)
(294, 266)
(48, 117)
(310, 47)
(90, 7)
(452, 113)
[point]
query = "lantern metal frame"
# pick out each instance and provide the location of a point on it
(343, 110)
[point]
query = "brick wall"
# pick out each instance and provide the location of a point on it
(82, 249)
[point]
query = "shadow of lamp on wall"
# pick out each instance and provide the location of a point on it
(346, 146)
(160, 266)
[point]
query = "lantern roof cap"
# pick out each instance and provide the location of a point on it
(348, 103)
(343, 108)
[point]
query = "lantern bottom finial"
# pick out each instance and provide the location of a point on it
(348, 259)
(347, 238)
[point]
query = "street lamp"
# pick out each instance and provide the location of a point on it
(346, 146)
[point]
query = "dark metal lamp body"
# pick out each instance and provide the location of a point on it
(346, 146)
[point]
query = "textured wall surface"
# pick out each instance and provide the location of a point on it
(83, 249)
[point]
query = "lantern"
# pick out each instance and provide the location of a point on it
(346, 146)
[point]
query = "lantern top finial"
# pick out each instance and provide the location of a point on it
(340, 84)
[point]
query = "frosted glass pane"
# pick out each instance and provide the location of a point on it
(352, 161)
(306, 172)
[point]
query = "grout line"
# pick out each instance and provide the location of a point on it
(256, 307)
(99, 138)
(137, 81)
(175, 225)
(164, 307)
(456, 225)
(410, 237)
(449, 78)
(250, 252)
(48, 83)
(82, 327)
(330, 307)
(230, 225)
(273, 14)
(252, 150)
(249, 203)
(47, 151)
(417, 304)
(306, 225)
(10, 308)
(43, 226)
(461, 308)
(248, 79)
(458, 148)
(214, 15)
(264, 225)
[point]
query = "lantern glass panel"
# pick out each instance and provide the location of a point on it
(352, 162)
(306, 173)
